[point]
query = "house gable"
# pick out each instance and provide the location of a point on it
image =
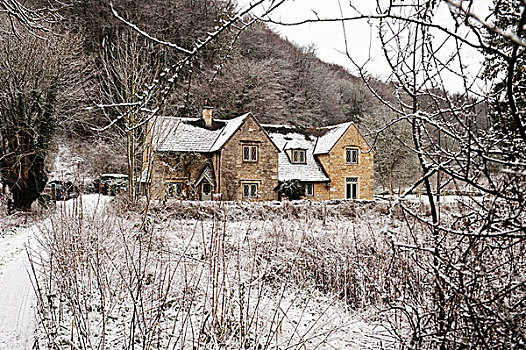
(236, 169)
(341, 171)
(352, 137)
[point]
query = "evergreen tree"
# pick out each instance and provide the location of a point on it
(292, 189)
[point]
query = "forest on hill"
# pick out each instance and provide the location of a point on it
(108, 66)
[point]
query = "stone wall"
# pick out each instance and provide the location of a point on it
(234, 171)
(321, 191)
(335, 165)
(176, 167)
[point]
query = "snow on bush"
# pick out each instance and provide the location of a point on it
(193, 275)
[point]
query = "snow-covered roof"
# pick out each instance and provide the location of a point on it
(230, 128)
(311, 170)
(189, 135)
(294, 144)
(328, 140)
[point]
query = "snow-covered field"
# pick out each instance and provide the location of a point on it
(210, 276)
(194, 275)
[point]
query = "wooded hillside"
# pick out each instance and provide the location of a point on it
(254, 70)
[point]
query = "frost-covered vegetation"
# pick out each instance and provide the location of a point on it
(255, 276)
(290, 275)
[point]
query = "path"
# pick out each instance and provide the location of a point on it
(17, 298)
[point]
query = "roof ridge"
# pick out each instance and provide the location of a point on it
(339, 124)
(227, 121)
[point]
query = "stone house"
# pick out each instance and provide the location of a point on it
(241, 159)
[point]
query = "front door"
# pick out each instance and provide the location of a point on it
(351, 188)
(206, 191)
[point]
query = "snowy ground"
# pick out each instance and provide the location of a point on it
(17, 297)
(268, 276)
(291, 275)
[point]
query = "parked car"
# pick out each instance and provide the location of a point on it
(112, 184)
(57, 190)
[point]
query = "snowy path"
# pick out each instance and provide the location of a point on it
(17, 298)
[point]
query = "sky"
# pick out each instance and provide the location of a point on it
(362, 36)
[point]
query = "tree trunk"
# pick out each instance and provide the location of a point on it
(26, 191)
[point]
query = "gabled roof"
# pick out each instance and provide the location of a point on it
(330, 138)
(330, 135)
(208, 174)
(294, 144)
(189, 135)
(311, 170)
(226, 133)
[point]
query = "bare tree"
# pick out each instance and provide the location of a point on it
(39, 83)
(472, 256)
(128, 64)
(30, 18)
(147, 91)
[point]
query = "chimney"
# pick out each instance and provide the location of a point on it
(207, 113)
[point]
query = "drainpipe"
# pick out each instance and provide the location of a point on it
(218, 167)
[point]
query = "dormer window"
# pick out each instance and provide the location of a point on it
(298, 156)
(351, 156)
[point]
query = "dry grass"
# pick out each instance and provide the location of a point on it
(230, 276)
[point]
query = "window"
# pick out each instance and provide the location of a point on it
(351, 188)
(309, 189)
(298, 156)
(351, 156)
(250, 153)
(250, 190)
(175, 189)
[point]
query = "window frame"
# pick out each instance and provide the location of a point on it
(251, 193)
(297, 152)
(311, 185)
(349, 152)
(355, 194)
(177, 188)
(253, 156)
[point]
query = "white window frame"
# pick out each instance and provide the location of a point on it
(350, 180)
(296, 156)
(252, 189)
(351, 156)
(252, 155)
(311, 185)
